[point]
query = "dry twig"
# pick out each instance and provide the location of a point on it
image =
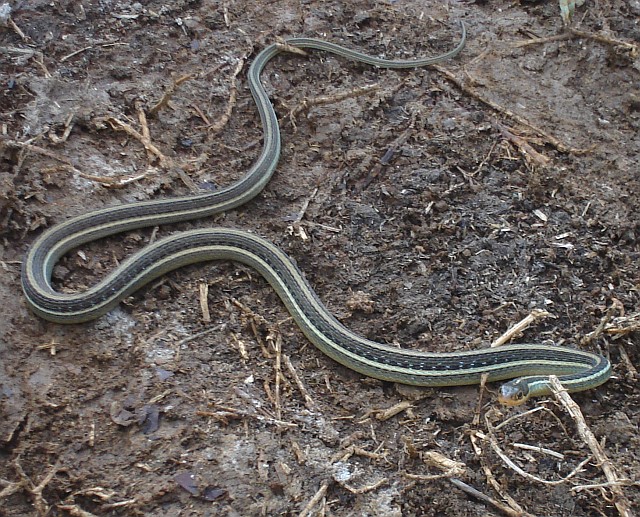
(632, 371)
(18, 30)
(308, 401)
(224, 414)
(558, 144)
(203, 290)
(623, 325)
(513, 509)
(275, 338)
(393, 410)
(351, 450)
(366, 488)
(233, 96)
(75, 511)
(166, 97)
(614, 481)
(473, 492)
(25, 483)
(68, 126)
(118, 181)
(525, 148)
(539, 41)
(493, 441)
(319, 495)
(629, 47)
(119, 125)
(519, 327)
(307, 104)
(593, 336)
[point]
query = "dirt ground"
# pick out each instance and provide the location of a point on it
(432, 208)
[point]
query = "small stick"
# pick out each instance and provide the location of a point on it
(68, 126)
(426, 477)
(283, 46)
(119, 125)
(242, 347)
(559, 145)
(484, 161)
(268, 392)
(307, 104)
(10, 488)
(493, 441)
(632, 372)
(142, 120)
(525, 148)
(39, 59)
(509, 463)
(393, 410)
(51, 346)
(196, 336)
(18, 30)
(539, 41)
(539, 449)
(620, 500)
(482, 388)
(166, 97)
(353, 450)
(75, 511)
(305, 205)
(75, 53)
(92, 434)
(233, 96)
(323, 227)
(189, 183)
(444, 463)
(225, 14)
(254, 320)
(204, 301)
(237, 413)
(117, 182)
(633, 49)
(622, 482)
(592, 336)
(119, 504)
(366, 488)
(519, 327)
(623, 325)
(298, 452)
(201, 114)
(306, 511)
(514, 508)
(36, 490)
(473, 492)
(276, 343)
(41, 150)
(518, 416)
(308, 401)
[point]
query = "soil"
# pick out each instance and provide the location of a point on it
(424, 211)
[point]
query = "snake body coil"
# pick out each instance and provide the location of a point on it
(530, 363)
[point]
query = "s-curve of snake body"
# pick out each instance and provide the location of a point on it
(529, 365)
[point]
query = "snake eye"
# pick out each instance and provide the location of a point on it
(514, 393)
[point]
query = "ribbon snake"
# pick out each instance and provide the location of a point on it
(528, 364)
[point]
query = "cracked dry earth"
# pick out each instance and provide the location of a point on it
(431, 208)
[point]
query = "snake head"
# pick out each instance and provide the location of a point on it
(514, 393)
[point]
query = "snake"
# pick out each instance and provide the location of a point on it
(526, 366)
